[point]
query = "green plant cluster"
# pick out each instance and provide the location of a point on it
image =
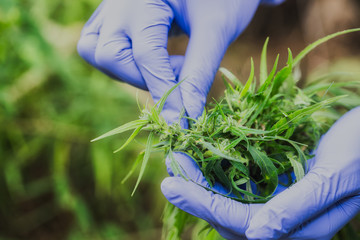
(250, 136)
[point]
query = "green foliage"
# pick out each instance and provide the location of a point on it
(145, 160)
(175, 222)
(252, 133)
(55, 184)
(262, 130)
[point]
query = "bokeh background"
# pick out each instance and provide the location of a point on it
(54, 183)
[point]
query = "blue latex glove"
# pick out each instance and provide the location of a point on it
(314, 208)
(127, 39)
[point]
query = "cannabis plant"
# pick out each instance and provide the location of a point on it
(256, 132)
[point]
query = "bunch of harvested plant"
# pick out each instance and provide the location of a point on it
(250, 136)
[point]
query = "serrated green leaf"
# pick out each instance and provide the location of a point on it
(352, 99)
(241, 181)
(315, 88)
(227, 85)
(229, 75)
(264, 103)
(239, 133)
(297, 166)
(220, 154)
(290, 61)
(264, 86)
(289, 132)
(309, 48)
(249, 112)
(254, 131)
(234, 143)
(219, 108)
(333, 76)
(155, 116)
(176, 167)
(301, 155)
(249, 81)
(174, 220)
(263, 63)
(279, 79)
(299, 115)
(218, 130)
(267, 167)
(162, 144)
(207, 170)
(145, 160)
(249, 189)
(132, 136)
(123, 128)
(220, 174)
(282, 167)
(181, 116)
(228, 101)
(247, 193)
(135, 164)
(301, 99)
(240, 167)
(162, 100)
(258, 198)
(198, 152)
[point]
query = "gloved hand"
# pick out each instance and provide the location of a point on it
(314, 208)
(327, 197)
(127, 39)
(212, 26)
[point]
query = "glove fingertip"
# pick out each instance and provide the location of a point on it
(172, 187)
(264, 226)
(166, 186)
(187, 196)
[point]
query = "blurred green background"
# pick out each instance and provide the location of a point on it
(54, 183)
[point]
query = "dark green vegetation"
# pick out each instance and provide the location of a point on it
(55, 184)
(253, 134)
